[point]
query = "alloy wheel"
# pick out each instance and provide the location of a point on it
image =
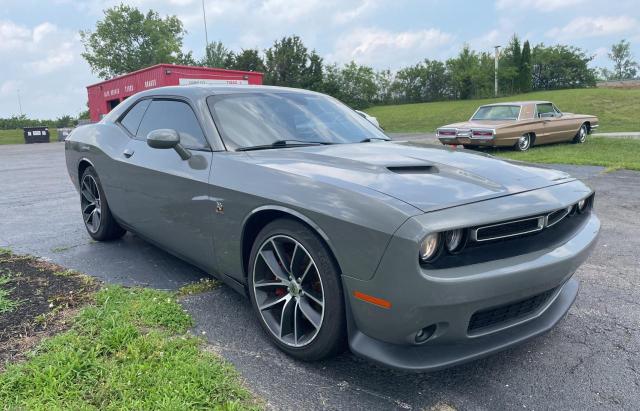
(288, 290)
(90, 203)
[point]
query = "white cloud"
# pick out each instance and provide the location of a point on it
(582, 27)
(346, 16)
(381, 48)
(43, 61)
(13, 36)
(538, 5)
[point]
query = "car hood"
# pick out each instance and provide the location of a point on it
(480, 124)
(427, 178)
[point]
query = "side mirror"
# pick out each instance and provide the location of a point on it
(166, 138)
(163, 138)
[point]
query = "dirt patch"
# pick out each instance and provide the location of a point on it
(45, 297)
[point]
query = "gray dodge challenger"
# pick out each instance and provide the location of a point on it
(417, 258)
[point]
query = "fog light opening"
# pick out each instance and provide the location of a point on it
(425, 333)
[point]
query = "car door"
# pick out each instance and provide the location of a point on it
(167, 198)
(551, 124)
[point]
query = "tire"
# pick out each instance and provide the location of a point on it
(96, 214)
(581, 135)
(524, 143)
(297, 325)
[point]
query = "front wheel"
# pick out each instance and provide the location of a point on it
(581, 136)
(524, 143)
(295, 291)
(96, 214)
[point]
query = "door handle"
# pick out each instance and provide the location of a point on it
(127, 152)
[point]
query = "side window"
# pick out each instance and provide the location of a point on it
(131, 120)
(176, 115)
(544, 109)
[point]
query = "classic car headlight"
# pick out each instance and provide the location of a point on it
(430, 247)
(454, 240)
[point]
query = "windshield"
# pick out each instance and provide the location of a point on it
(264, 118)
(497, 113)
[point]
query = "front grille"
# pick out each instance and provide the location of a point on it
(508, 229)
(557, 216)
(508, 312)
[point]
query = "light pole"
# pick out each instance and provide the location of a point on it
(206, 35)
(19, 102)
(495, 77)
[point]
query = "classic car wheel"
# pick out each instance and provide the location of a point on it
(524, 142)
(581, 136)
(97, 217)
(295, 291)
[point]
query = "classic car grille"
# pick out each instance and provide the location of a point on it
(508, 312)
(508, 229)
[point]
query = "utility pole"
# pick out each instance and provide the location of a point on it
(495, 79)
(19, 102)
(206, 35)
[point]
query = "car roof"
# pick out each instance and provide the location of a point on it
(204, 90)
(517, 103)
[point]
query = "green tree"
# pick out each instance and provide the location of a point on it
(248, 60)
(426, 81)
(468, 73)
(289, 63)
(353, 84)
(65, 121)
(559, 67)
(524, 81)
(624, 67)
(126, 40)
(384, 80)
(218, 56)
(509, 67)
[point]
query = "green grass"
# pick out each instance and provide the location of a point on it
(128, 351)
(6, 304)
(613, 153)
(17, 136)
(198, 287)
(616, 109)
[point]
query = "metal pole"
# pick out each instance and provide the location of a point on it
(495, 80)
(19, 102)
(206, 35)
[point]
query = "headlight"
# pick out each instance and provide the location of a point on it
(454, 240)
(430, 247)
(581, 205)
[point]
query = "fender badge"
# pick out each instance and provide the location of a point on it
(219, 207)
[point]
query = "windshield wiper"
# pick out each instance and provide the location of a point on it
(370, 139)
(284, 143)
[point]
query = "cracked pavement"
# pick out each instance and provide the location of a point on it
(590, 361)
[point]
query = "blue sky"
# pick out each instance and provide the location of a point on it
(40, 47)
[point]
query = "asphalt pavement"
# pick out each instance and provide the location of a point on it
(591, 360)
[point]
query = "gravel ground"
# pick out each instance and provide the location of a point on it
(591, 360)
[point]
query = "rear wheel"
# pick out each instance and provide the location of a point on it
(295, 291)
(96, 214)
(523, 143)
(581, 136)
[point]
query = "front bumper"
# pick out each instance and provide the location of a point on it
(448, 298)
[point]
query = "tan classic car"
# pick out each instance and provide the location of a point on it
(519, 125)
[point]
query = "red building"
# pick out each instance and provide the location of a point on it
(105, 95)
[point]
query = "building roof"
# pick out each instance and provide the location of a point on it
(176, 67)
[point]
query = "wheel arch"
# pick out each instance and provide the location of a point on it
(532, 134)
(83, 164)
(260, 217)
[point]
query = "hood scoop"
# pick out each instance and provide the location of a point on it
(415, 169)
